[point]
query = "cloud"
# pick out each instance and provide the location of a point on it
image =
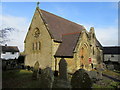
(108, 36)
(13, 21)
(18, 35)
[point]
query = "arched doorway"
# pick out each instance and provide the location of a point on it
(36, 66)
(84, 56)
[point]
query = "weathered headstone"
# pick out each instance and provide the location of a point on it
(47, 78)
(81, 79)
(99, 71)
(63, 69)
(99, 75)
(28, 67)
(110, 66)
(62, 80)
(55, 73)
(93, 75)
(35, 70)
(104, 66)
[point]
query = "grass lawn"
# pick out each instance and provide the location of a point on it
(108, 83)
(19, 79)
(111, 73)
(23, 79)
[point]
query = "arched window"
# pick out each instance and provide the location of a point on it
(93, 51)
(39, 44)
(32, 46)
(93, 35)
(36, 46)
(36, 32)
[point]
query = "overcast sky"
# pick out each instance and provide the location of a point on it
(103, 16)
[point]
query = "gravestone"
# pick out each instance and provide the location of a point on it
(46, 78)
(81, 79)
(104, 66)
(35, 71)
(55, 73)
(99, 71)
(99, 75)
(28, 67)
(62, 80)
(32, 69)
(63, 69)
(93, 75)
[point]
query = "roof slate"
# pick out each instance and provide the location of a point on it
(59, 26)
(65, 31)
(10, 49)
(66, 48)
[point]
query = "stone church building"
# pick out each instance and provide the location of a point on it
(51, 38)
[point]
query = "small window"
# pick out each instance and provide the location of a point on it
(93, 51)
(33, 46)
(39, 45)
(93, 35)
(4, 52)
(12, 53)
(36, 46)
(112, 55)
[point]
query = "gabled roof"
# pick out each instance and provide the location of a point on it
(10, 49)
(59, 26)
(111, 50)
(69, 42)
(58, 29)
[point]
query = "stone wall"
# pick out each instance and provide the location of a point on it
(55, 46)
(70, 64)
(43, 54)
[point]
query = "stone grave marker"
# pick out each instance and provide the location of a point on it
(81, 79)
(62, 80)
(93, 75)
(63, 69)
(99, 71)
(110, 66)
(35, 71)
(46, 78)
(104, 66)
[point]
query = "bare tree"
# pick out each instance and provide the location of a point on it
(4, 33)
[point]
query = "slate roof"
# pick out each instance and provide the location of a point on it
(69, 42)
(111, 50)
(59, 26)
(10, 49)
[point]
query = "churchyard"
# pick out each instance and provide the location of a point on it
(33, 77)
